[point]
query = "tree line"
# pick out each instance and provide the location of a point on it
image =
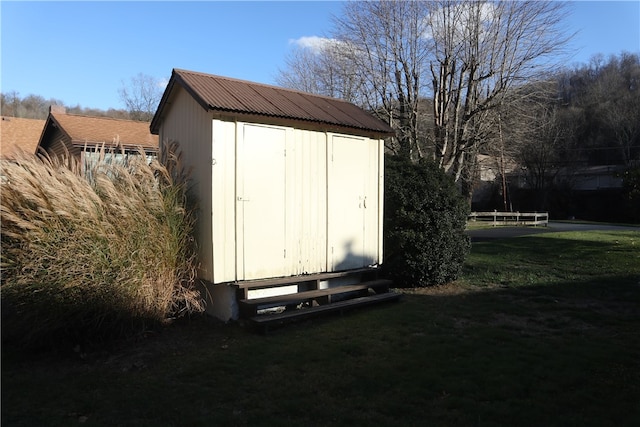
(140, 95)
(586, 116)
(37, 107)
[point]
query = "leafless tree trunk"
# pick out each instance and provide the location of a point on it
(480, 51)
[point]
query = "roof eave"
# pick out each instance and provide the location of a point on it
(126, 147)
(239, 115)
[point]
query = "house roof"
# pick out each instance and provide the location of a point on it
(18, 134)
(223, 94)
(88, 130)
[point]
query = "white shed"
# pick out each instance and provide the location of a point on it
(289, 185)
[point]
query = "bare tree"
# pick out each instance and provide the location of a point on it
(481, 51)
(375, 60)
(141, 96)
(621, 104)
(302, 71)
(603, 99)
(10, 103)
(385, 42)
(542, 152)
(467, 57)
(323, 68)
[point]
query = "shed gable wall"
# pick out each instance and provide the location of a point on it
(190, 125)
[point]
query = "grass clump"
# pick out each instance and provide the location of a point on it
(91, 259)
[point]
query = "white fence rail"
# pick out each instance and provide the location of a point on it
(511, 218)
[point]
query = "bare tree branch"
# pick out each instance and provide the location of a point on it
(141, 96)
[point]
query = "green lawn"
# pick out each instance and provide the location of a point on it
(540, 331)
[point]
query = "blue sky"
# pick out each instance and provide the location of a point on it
(81, 52)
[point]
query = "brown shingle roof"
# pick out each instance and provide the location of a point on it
(98, 130)
(19, 134)
(216, 93)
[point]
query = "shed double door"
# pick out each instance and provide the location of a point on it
(262, 209)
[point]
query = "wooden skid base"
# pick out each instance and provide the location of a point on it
(265, 321)
(249, 307)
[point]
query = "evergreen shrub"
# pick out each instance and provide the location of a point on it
(425, 219)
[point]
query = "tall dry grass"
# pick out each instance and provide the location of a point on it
(96, 258)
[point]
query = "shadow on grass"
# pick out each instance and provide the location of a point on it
(554, 355)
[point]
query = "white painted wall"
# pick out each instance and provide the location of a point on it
(222, 214)
(306, 202)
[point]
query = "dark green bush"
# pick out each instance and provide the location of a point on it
(631, 191)
(425, 218)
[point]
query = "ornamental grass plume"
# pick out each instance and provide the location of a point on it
(95, 254)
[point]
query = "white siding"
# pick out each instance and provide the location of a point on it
(306, 202)
(380, 171)
(189, 124)
(223, 213)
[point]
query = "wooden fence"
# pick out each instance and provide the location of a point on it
(511, 218)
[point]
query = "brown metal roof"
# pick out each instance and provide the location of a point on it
(18, 134)
(99, 130)
(216, 93)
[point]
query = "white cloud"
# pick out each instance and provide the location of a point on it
(313, 43)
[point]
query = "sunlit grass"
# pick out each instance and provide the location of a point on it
(554, 257)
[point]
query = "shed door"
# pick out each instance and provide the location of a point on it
(353, 203)
(261, 202)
